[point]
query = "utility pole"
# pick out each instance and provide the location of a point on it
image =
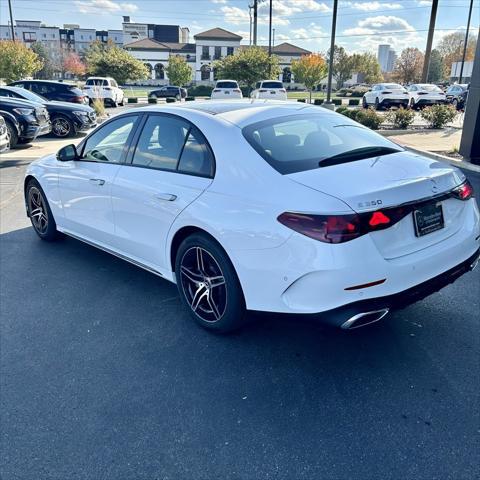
(332, 49)
(250, 13)
(270, 30)
(11, 19)
(255, 21)
(428, 50)
(273, 41)
(466, 42)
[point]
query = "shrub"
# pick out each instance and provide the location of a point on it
(245, 92)
(200, 91)
(337, 101)
(401, 118)
(342, 110)
(301, 100)
(369, 118)
(170, 100)
(358, 91)
(152, 100)
(437, 116)
(99, 106)
(353, 101)
(318, 101)
(343, 92)
(132, 100)
(189, 99)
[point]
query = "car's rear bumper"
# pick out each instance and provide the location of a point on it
(394, 101)
(346, 315)
(430, 101)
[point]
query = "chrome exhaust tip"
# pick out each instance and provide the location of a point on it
(365, 318)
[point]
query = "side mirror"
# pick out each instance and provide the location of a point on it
(67, 153)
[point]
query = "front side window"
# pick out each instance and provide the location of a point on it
(172, 144)
(302, 142)
(109, 142)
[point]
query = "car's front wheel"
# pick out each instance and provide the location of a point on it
(377, 104)
(208, 284)
(39, 212)
(62, 127)
(12, 134)
(455, 103)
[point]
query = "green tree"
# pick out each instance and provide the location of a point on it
(436, 69)
(248, 66)
(178, 71)
(342, 65)
(310, 70)
(48, 68)
(107, 60)
(17, 61)
(367, 65)
(409, 66)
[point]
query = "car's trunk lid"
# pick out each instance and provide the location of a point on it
(388, 181)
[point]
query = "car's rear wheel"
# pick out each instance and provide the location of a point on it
(208, 284)
(377, 104)
(364, 103)
(455, 103)
(12, 134)
(39, 212)
(62, 127)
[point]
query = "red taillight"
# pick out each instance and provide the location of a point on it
(78, 99)
(283, 90)
(325, 228)
(464, 191)
(378, 218)
(237, 90)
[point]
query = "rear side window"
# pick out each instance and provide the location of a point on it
(170, 143)
(227, 85)
(272, 85)
(113, 83)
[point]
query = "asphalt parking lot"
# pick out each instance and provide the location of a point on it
(104, 376)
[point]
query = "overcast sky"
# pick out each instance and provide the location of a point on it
(361, 25)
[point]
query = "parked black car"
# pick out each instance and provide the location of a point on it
(25, 120)
(63, 92)
(67, 118)
(169, 92)
(457, 95)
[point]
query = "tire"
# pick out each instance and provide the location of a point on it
(39, 212)
(113, 103)
(455, 103)
(122, 103)
(201, 265)
(364, 103)
(377, 104)
(62, 127)
(24, 141)
(411, 104)
(12, 134)
(178, 98)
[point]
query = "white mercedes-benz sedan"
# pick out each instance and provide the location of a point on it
(254, 205)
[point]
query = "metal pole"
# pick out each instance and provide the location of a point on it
(255, 20)
(273, 41)
(428, 50)
(332, 48)
(466, 41)
(270, 30)
(11, 19)
(250, 13)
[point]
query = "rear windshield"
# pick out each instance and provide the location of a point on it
(75, 90)
(272, 85)
(97, 82)
(393, 86)
(296, 143)
(430, 88)
(227, 85)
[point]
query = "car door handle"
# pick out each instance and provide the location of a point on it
(97, 181)
(168, 197)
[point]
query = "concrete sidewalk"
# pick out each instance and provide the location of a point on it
(436, 141)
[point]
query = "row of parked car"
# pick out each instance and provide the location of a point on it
(384, 95)
(31, 108)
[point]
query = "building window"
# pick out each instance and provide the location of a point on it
(229, 50)
(205, 72)
(44, 35)
(286, 75)
(205, 53)
(218, 53)
(29, 36)
(159, 72)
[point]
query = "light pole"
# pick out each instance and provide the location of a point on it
(270, 30)
(255, 21)
(11, 19)
(466, 42)
(332, 48)
(250, 14)
(428, 50)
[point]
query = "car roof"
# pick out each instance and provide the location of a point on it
(243, 112)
